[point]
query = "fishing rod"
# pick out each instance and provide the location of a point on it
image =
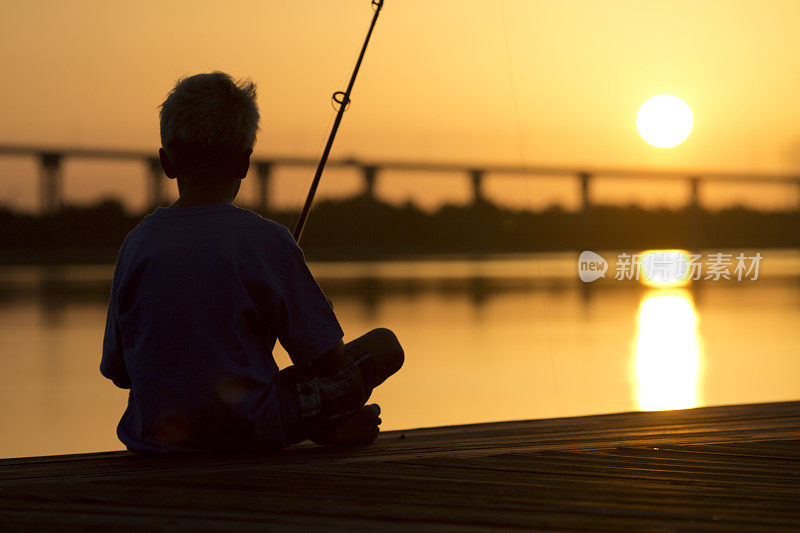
(343, 99)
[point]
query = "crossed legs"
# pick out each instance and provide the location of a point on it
(388, 357)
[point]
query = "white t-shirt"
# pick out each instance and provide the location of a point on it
(199, 296)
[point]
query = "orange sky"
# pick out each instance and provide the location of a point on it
(436, 84)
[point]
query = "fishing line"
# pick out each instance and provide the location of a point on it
(523, 157)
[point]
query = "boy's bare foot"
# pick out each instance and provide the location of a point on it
(362, 428)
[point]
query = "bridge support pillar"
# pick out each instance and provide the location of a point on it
(156, 178)
(370, 175)
(476, 176)
(50, 200)
(695, 230)
(586, 201)
(588, 240)
(694, 193)
(797, 183)
(264, 177)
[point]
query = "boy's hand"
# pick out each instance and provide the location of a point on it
(331, 361)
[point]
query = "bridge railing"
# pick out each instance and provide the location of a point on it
(51, 159)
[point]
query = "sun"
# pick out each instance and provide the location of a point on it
(664, 121)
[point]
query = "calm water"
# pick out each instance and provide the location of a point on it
(492, 339)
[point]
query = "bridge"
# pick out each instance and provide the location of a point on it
(51, 159)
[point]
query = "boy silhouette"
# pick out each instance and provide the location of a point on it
(202, 290)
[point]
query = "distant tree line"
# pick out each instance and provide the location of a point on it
(363, 228)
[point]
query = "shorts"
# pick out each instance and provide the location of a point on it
(326, 402)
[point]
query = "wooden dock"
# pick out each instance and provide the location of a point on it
(731, 468)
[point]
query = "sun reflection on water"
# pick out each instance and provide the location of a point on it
(665, 268)
(668, 358)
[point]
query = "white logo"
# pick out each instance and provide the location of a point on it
(591, 266)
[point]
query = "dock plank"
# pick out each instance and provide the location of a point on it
(727, 468)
